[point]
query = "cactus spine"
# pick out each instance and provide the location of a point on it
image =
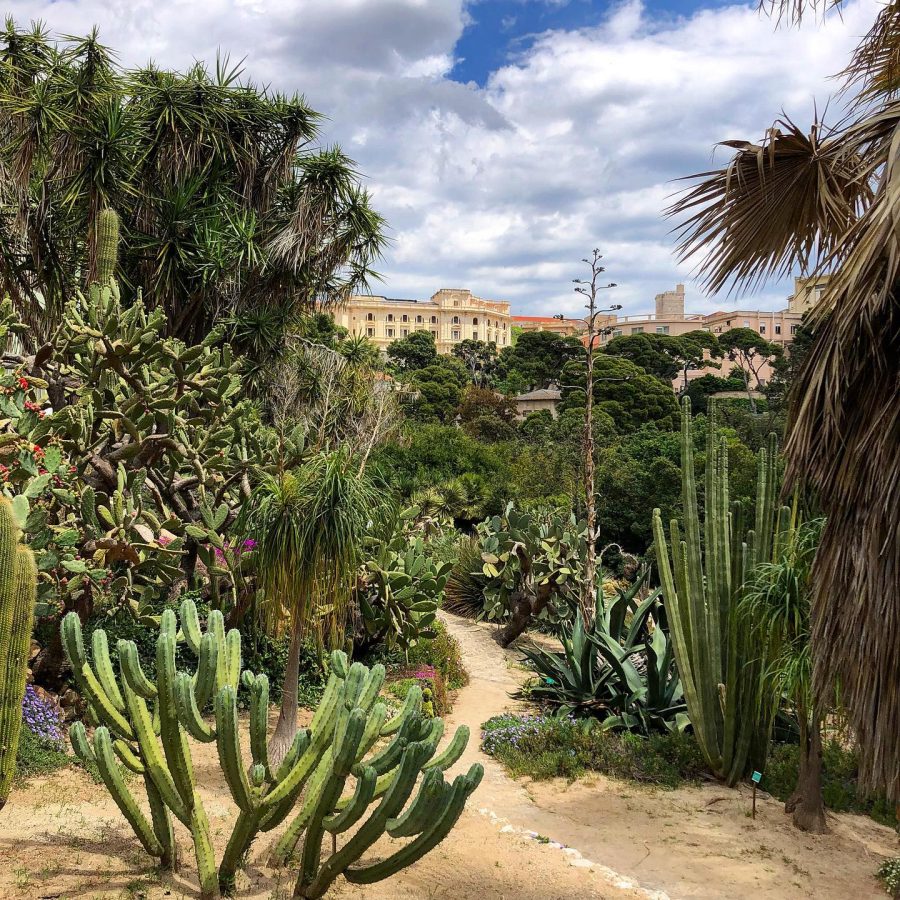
(702, 574)
(340, 743)
(106, 237)
(18, 591)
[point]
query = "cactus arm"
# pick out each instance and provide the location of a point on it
(242, 835)
(215, 625)
(296, 750)
(372, 687)
(395, 798)
(412, 706)
(377, 716)
(132, 673)
(356, 805)
(228, 745)
(259, 711)
(421, 811)
(284, 846)
(426, 841)
(115, 784)
(204, 680)
(150, 752)
(128, 758)
(452, 752)
(162, 824)
(233, 658)
(81, 745)
(88, 682)
(188, 713)
(104, 667)
(190, 625)
(339, 664)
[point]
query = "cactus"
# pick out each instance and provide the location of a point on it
(18, 591)
(341, 742)
(106, 242)
(702, 573)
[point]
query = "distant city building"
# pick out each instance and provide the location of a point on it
(451, 315)
(563, 327)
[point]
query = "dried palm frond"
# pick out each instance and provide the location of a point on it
(775, 206)
(874, 69)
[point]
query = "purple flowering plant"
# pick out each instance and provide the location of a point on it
(42, 717)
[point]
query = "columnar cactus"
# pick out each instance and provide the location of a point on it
(339, 744)
(106, 239)
(702, 571)
(18, 591)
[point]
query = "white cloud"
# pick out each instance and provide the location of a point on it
(503, 189)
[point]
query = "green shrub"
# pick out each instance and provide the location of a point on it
(37, 756)
(839, 781)
(555, 747)
(441, 652)
(889, 874)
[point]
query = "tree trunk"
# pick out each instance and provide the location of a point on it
(528, 604)
(590, 559)
(806, 803)
(286, 729)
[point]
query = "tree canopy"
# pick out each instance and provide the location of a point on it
(535, 360)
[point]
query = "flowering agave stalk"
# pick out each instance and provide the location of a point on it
(145, 726)
(18, 591)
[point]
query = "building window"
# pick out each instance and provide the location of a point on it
(777, 328)
(434, 320)
(474, 335)
(762, 327)
(390, 317)
(370, 332)
(434, 332)
(370, 317)
(404, 318)
(455, 335)
(746, 323)
(455, 320)
(390, 332)
(618, 332)
(475, 320)
(793, 329)
(404, 332)
(418, 320)
(638, 330)
(456, 302)
(661, 329)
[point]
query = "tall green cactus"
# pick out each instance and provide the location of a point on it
(702, 572)
(106, 241)
(145, 726)
(18, 592)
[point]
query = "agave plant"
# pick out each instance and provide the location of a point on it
(620, 669)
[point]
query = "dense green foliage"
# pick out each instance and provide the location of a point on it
(557, 747)
(228, 207)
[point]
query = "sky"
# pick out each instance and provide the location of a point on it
(503, 140)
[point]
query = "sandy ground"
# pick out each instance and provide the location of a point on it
(60, 837)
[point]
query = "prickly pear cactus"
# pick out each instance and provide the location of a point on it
(145, 726)
(18, 590)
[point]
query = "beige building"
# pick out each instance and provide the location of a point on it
(537, 401)
(777, 327)
(452, 315)
(562, 327)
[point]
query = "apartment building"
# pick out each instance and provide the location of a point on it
(560, 326)
(452, 315)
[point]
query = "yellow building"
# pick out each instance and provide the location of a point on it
(561, 326)
(452, 315)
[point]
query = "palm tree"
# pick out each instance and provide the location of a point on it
(827, 200)
(309, 528)
(227, 205)
(776, 604)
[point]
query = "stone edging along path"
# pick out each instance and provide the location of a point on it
(500, 799)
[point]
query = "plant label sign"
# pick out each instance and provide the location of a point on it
(756, 777)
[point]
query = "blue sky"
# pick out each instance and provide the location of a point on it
(504, 139)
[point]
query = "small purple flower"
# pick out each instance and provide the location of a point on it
(41, 716)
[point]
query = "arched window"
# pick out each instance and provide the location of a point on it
(475, 320)
(370, 317)
(405, 317)
(418, 320)
(456, 320)
(434, 320)
(390, 317)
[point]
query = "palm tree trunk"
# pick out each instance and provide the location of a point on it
(286, 729)
(806, 803)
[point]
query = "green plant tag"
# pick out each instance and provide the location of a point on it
(756, 777)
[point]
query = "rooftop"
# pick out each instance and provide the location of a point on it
(542, 394)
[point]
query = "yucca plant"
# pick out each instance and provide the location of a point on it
(620, 668)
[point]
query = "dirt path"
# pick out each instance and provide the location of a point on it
(62, 837)
(691, 842)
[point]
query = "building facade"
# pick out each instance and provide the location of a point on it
(452, 315)
(562, 327)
